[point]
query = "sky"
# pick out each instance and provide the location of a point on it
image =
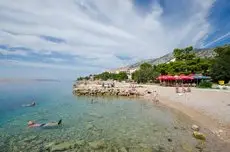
(65, 39)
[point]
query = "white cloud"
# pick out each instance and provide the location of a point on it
(101, 29)
(15, 52)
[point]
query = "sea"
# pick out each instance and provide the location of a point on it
(115, 124)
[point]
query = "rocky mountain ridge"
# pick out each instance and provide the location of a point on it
(203, 53)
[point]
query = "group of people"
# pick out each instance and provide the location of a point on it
(184, 90)
(33, 124)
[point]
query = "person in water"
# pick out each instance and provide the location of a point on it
(32, 124)
(30, 105)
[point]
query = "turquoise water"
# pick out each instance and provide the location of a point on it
(118, 124)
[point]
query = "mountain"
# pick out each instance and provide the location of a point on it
(202, 53)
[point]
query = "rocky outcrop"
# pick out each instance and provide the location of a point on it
(105, 91)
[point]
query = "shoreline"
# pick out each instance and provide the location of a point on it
(208, 108)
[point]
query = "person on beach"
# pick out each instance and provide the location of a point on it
(155, 97)
(32, 124)
(30, 105)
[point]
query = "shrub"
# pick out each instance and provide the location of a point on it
(205, 84)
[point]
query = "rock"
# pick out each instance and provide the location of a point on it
(186, 147)
(62, 146)
(96, 115)
(175, 127)
(159, 149)
(80, 142)
(169, 140)
(143, 145)
(199, 135)
(195, 128)
(49, 145)
(123, 149)
(89, 126)
(200, 146)
(114, 149)
(97, 145)
(30, 138)
(220, 131)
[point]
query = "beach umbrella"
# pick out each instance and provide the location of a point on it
(159, 77)
(171, 78)
(185, 77)
(164, 77)
(177, 77)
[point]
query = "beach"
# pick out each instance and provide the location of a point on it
(210, 108)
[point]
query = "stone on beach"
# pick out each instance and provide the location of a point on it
(195, 128)
(199, 135)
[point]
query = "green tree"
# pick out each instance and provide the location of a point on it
(145, 74)
(122, 76)
(184, 54)
(221, 67)
(177, 53)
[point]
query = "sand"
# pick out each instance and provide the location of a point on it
(208, 107)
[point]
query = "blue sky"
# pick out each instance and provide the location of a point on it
(65, 39)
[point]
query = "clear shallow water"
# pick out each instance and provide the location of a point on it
(118, 123)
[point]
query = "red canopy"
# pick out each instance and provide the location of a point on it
(185, 77)
(172, 78)
(169, 77)
(166, 77)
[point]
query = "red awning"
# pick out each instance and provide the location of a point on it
(186, 77)
(176, 77)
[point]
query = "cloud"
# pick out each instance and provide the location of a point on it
(16, 52)
(99, 33)
(52, 39)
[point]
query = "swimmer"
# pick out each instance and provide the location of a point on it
(32, 124)
(30, 105)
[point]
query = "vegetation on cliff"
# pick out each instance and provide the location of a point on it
(186, 62)
(221, 66)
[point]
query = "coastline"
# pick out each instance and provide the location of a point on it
(208, 108)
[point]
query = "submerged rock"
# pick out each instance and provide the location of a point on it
(159, 149)
(195, 128)
(123, 149)
(63, 146)
(97, 145)
(89, 126)
(200, 146)
(80, 143)
(30, 138)
(96, 115)
(199, 135)
(49, 145)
